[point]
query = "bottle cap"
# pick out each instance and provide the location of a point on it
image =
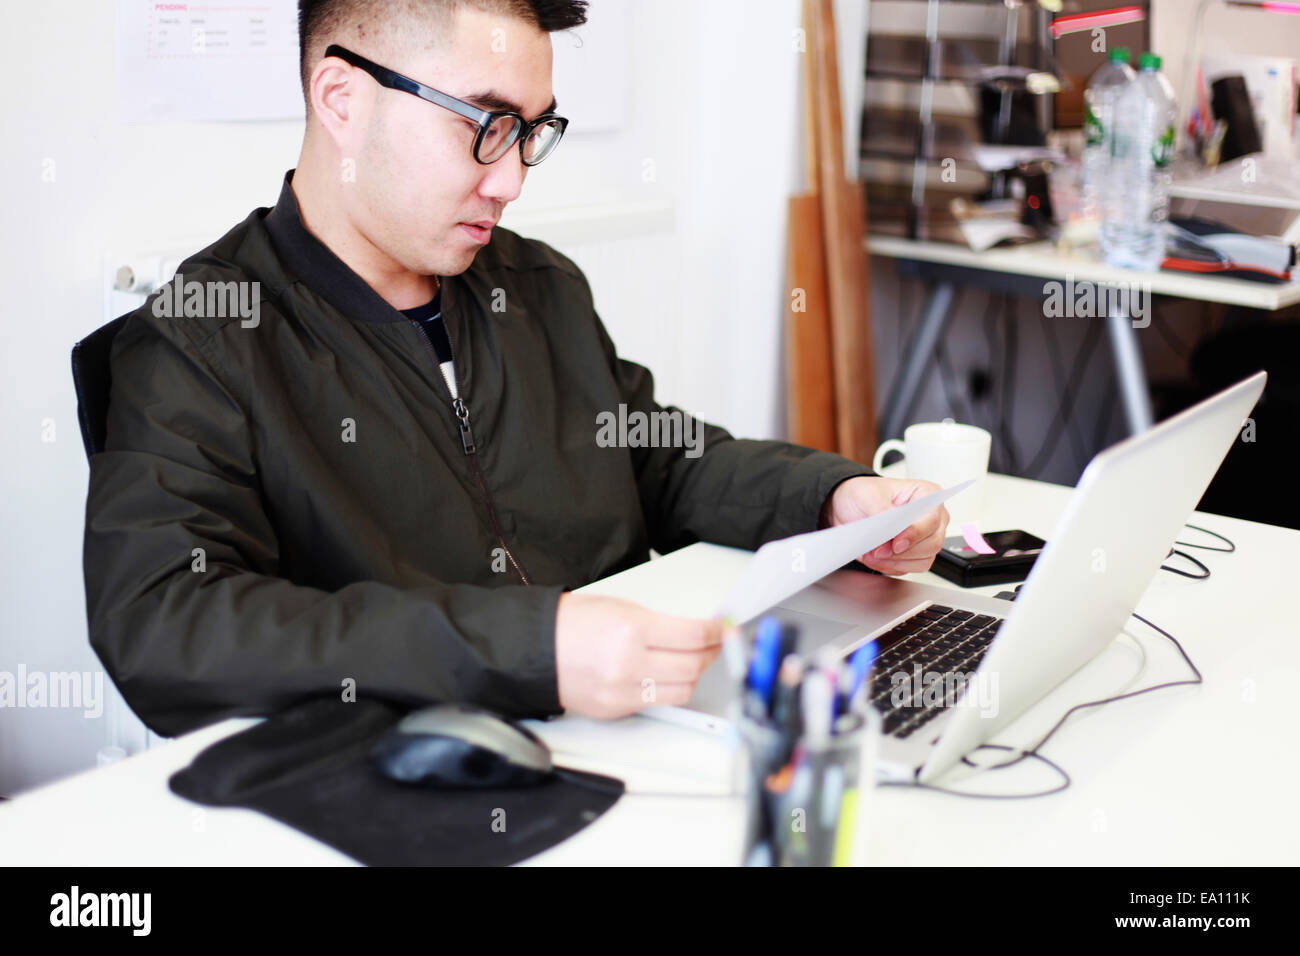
(1120, 54)
(1149, 61)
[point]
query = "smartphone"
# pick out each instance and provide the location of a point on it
(1014, 553)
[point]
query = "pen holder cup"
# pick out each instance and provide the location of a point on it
(810, 807)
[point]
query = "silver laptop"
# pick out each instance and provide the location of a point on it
(1001, 657)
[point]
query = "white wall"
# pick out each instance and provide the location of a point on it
(1226, 30)
(712, 103)
(112, 185)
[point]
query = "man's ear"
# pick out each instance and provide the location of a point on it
(336, 98)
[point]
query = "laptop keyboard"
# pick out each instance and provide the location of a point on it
(937, 639)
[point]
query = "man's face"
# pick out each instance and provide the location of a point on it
(418, 187)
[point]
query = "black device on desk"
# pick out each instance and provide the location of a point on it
(1013, 554)
(457, 746)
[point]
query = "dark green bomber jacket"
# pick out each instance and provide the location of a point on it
(285, 508)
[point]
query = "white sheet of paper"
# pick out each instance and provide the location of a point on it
(785, 567)
(215, 61)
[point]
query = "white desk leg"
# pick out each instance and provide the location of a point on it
(916, 360)
(1130, 371)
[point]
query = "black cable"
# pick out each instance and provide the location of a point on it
(1179, 347)
(1103, 418)
(904, 315)
(1065, 401)
(1033, 751)
(1205, 572)
(997, 368)
(947, 378)
(1205, 547)
(1006, 460)
(1198, 679)
(1071, 421)
(1006, 405)
(1065, 777)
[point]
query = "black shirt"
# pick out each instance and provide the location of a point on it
(429, 317)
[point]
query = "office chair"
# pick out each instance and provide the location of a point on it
(92, 379)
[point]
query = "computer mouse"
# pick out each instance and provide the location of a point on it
(456, 746)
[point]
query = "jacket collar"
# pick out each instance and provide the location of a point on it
(311, 261)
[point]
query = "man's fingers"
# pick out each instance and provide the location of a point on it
(685, 634)
(671, 694)
(923, 533)
(905, 495)
(921, 551)
(928, 544)
(676, 666)
(930, 524)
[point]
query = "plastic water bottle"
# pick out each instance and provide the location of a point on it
(1111, 79)
(1142, 153)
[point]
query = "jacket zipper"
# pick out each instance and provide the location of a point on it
(461, 411)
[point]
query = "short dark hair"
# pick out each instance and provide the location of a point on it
(320, 20)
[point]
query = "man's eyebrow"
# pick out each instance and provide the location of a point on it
(491, 100)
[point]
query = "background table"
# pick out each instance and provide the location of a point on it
(1022, 271)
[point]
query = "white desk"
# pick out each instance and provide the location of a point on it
(1191, 775)
(1045, 261)
(1019, 268)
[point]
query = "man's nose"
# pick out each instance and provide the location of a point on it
(504, 180)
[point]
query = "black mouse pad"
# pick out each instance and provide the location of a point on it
(309, 767)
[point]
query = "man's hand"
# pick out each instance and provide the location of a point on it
(613, 657)
(914, 548)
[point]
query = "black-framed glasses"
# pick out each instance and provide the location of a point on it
(497, 130)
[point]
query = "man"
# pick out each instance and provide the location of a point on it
(384, 479)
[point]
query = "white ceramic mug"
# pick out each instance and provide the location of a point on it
(946, 453)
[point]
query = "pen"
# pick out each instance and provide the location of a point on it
(793, 809)
(860, 665)
(830, 801)
(763, 665)
(845, 829)
(817, 700)
(846, 682)
(789, 641)
(785, 704)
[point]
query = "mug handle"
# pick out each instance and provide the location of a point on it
(892, 444)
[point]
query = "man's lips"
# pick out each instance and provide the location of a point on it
(479, 230)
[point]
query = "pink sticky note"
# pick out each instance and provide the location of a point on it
(975, 539)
